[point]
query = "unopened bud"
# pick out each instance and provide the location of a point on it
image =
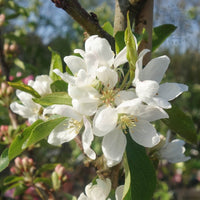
(2, 19)
(13, 170)
(25, 163)
(3, 87)
(13, 48)
(6, 48)
(18, 162)
(59, 170)
(9, 90)
(4, 128)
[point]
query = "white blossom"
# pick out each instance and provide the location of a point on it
(28, 108)
(100, 191)
(147, 82)
(173, 151)
(111, 123)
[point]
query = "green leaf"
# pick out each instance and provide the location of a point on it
(131, 50)
(54, 98)
(19, 63)
(55, 181)
(181, 123)
(59, 86)
(43, 180)
(25, 88)
(160, 34)
(4, 160)
(108, 28)
(142, 181)
(69, 196)
(12, 179)
(16, 146)
(119, 41)
(56, 63)
(42, 130)
(46, 167)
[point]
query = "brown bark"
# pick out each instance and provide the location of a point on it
(145, 20)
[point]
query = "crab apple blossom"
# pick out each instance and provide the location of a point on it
(28, 108)
(147, 82)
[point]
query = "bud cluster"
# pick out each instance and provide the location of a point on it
(6, 92)
(10, 49)
(24, 167)
(5, 136)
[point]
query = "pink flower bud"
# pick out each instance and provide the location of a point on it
(18, 162)
(6, 48)
(13, 48)
(13, 170)
(2, 19)
(25, 163)
(4, 128)
(3, 87)
(27, 79)
(9, 90)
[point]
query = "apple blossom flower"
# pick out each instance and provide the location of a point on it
(173, 151)
(70, 128)
(147, 82)
(29, 109)
(111, 124)
(100, 191)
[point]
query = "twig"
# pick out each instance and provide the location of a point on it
(88, 21)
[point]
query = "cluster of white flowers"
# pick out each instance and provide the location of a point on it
(101, 106)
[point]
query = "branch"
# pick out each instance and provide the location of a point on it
(145, 20)
(4, 66)
(88, 21)
(121, 8)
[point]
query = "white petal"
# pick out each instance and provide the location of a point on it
(83, 79)
(107, 76)
(82, 197)
(62, 133)
(170, 91)
(63, 110)
(155, 69)
(113, 146)
(92, 63)
(83, 94)
(99, 191)
(152, 113)
(120, 58)
(26, 99)
(87, 138)
(105, 120)
(139, 66)
(79, 51)
(75, 63)
(144, 134)
(119, 192)
(161, 102)
(87, 109)
(101, 48)
(24, 111)
(124, 95)
(65, 76)
(147, 88)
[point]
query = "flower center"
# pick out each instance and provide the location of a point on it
(127, 121)
(76, 125)
(108, 97)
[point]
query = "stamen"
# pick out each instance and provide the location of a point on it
(76, 125)
(127, 121)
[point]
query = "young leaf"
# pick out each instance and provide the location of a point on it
(160, 34)
(42, 130)
(181, 124)
(4, 160)
(12, 179)
(59, 86)
(16, 146)
(54, 98)
(108, 28)
(56, 63)
(131, 45)
(142, 173)
(26, 88)
(119, 41)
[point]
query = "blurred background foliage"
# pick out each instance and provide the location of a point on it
(34, 25)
